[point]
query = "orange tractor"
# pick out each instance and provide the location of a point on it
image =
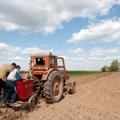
(48, 79)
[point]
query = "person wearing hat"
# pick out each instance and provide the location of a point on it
(4, 72)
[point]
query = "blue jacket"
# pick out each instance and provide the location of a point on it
(17, 76)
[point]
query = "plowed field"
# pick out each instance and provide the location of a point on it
(97, 98)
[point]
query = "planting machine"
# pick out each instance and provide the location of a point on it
(47, 79)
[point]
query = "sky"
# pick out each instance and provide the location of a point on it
(86, 33)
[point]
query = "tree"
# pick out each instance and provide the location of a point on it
(104, 68)
(114, 65)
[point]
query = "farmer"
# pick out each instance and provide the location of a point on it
(11, 93)
(4, 72)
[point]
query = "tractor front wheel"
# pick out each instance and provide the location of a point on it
(53, 87)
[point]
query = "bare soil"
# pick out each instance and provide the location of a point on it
(97, 97)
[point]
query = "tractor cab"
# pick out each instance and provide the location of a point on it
(42, 63)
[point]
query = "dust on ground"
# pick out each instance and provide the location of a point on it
(97, 98)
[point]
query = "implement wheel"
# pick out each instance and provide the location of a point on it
(72, 88)
(53, 87)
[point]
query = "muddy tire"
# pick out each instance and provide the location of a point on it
(53, 87)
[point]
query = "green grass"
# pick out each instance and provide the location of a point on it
(78, 73)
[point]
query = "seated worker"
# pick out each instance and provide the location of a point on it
(26, 75)
(4, 71)
(11, 93)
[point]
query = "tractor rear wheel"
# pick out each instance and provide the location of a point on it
(53, 87)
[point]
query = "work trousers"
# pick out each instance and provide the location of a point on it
(10, 95)
(2, 87)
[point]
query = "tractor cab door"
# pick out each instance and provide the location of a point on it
(52, 62)
(61, 66)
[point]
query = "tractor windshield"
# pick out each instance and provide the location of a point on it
(39, 61)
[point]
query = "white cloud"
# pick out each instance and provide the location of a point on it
(105, 59)
(78, 51)
(90, 63)
(78, 59)
(102, 51)
(17, 54)
(30, 50)
(8, 49)
(34, 50)
(105, 31)
(12, 50)
(46, 16)
(16, 58)
(92, 59)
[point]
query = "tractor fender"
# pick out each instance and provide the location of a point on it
(45, 75)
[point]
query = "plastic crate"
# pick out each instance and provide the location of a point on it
(24, 89)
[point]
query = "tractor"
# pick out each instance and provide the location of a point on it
(47, 78)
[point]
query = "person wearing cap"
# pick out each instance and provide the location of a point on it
(4, 72)
(11, 93)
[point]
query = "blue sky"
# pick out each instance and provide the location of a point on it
(85, 33)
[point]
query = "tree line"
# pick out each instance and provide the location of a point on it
(114, 66)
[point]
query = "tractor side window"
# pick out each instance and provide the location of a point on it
(52, 62)
(59, 62)
(39, 61)
(60, 66)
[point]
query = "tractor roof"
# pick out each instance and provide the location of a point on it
(43, 54)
